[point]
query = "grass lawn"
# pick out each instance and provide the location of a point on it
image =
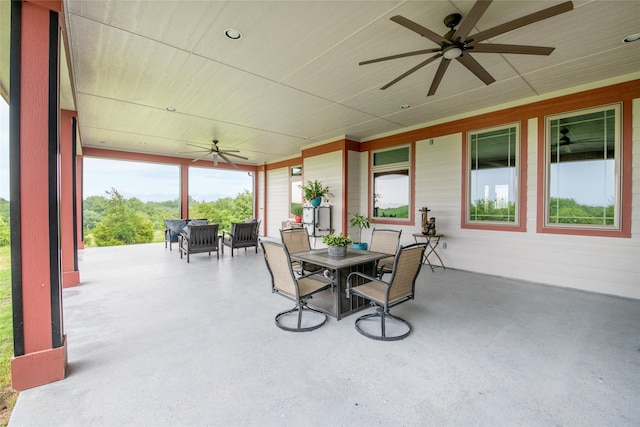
(8, 396)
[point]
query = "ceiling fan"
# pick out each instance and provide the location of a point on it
(216, 152)
(458, 44)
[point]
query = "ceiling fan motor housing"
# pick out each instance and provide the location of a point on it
(450, 21)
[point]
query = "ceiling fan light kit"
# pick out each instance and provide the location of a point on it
(451, 52)
(458, 44)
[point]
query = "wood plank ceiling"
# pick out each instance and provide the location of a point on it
(293, 78)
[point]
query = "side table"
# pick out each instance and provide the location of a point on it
(432, 243)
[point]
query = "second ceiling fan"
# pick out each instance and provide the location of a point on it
(458, 44)
(216, 152)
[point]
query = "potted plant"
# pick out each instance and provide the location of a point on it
(315, 192)
(337, 244)
(296, 210)
(360, 221)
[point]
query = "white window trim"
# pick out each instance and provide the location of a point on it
(391, 167)
(516, 198)
(617, 223)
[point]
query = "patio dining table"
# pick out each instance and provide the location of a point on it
(334, 302)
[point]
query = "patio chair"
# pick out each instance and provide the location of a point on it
(297, 240)
(242, 235)
(384, 295)
(198, 239)
(300, 290)
(172, 230)
(385, 241)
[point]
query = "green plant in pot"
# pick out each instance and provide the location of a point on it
(360, 221)
(296, 211)
(337, 244)
(315, 191)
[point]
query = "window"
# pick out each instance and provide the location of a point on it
(582, 176)
(493, 168)
(295, 193)
(390, 175)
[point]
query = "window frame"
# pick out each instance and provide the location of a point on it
(519, 225)
(295, 179)
(617, 229)
(409, 166)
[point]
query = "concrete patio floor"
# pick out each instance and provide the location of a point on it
(154, 341)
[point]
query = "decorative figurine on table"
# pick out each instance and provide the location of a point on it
(428, 224)
(431, 227)
(425, 220)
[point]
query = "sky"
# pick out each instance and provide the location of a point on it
(154, 182)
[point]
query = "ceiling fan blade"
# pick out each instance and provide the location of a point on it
(438, 77)
(472, 18)
(202, 157)
(195, 151)
(413, 70)
(521, 22)
(511, 48)
(197, 146)
(227, 160)
(477, 69)
(226, 153)
(424, 32)
(400, 55)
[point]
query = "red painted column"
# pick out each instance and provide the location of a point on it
(40, 353)
(184, 191)
(70, 273)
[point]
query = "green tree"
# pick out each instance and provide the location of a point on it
(5, 234)
(224, 211)
(122, 225)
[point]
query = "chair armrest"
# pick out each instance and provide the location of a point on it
(224, 232)
(364, 276)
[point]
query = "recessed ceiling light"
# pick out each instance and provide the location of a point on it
(233, 34)
(632, 38)
(170, 108)
(405, 106)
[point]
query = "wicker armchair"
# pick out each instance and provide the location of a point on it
(172, 230)
(242, 235)
(199, 239)
(384, 295)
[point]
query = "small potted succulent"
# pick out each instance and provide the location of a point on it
(360, 221)
(337, 244)
(315, 192)
(296, 210)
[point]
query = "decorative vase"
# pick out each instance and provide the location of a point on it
(315, 202)
(337, 251)
(362, 246)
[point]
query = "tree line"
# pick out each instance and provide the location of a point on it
(114, 220)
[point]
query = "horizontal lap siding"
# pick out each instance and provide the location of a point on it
(598, 264)
(327, 168)
(277, 199)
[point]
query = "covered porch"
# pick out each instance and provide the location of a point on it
(156, 341)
